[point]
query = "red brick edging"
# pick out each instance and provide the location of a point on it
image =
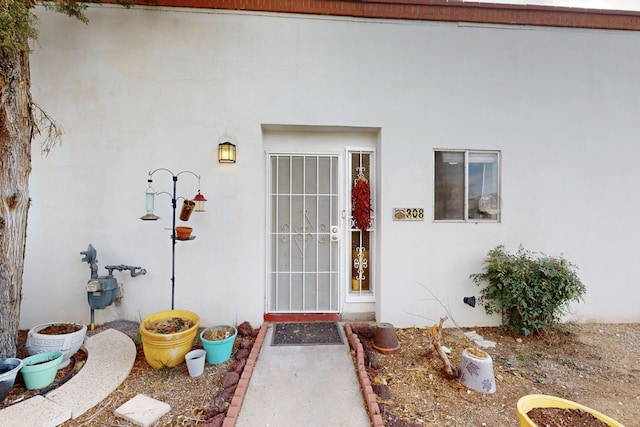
(365, 384)
(241, 389)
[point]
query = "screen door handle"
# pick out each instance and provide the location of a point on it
(335, 233)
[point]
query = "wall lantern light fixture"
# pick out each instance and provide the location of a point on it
(226, 152)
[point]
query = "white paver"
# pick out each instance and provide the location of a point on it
(143, 410)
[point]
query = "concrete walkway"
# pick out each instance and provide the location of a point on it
(311, 385)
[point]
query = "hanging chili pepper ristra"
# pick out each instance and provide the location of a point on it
(361, 198)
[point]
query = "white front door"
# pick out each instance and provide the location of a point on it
(304, 233)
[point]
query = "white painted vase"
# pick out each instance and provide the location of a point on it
(68, 344)
(476, 371)
(195, 362)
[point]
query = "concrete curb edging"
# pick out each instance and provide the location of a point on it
(110, 357)
(361, 370)
(233, 412)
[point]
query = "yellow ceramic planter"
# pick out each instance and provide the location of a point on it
(531, 401)
(168, 350)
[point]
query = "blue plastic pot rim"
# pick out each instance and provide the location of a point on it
(13, 371)
(41, 359)
(219, 326)
(12, 361)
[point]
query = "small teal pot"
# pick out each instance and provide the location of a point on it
(39, 370)
(218, 351)
(9, 369)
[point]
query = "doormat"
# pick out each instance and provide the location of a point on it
(309, 333)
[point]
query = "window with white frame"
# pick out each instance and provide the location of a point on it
(467, 185)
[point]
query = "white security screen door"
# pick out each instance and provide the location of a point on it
(304, 234)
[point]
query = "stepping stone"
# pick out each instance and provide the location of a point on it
(142, 410)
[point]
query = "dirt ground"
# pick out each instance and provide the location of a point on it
(596, 365)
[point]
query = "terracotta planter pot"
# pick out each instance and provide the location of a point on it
(385, 339)
(183, 233)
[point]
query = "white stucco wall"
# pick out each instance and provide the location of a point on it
(163, 85)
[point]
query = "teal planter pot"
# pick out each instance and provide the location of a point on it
(219, 350)
(9, 369)
(39, 370)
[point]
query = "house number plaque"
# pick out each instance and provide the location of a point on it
(408, 214)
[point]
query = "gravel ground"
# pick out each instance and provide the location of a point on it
(596, 365)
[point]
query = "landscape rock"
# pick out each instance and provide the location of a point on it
(372, 360)
(238, 366)
(225, 394)
(245, 330)
(393, 420)
(243, 353)
(217, 406)
(216, 421)
(229, 379)
(382, 390)
(365, 330)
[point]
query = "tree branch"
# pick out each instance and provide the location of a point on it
(436, 338)
(45, 123)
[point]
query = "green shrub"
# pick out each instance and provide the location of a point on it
(530, 291)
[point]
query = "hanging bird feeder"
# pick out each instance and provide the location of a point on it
(199, 201)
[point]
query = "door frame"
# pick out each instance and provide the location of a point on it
(326, 140)
(339, 297)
